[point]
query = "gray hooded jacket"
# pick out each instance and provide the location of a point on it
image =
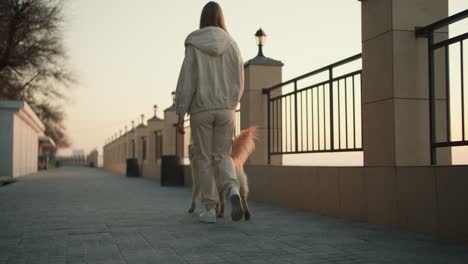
(212, 74)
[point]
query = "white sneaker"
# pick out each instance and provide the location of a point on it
(234, 196)
(209, 216)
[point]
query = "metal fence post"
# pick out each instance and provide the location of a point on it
(296, 126)
(332, 125)
(432, 133)
(268, 128)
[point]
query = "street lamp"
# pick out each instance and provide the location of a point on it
(155, 107)
(142, 116)
(133, 124)
(173, 94)
(260, 36)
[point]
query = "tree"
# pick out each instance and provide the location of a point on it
(33, 62)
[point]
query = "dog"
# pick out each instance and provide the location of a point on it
(242, 146)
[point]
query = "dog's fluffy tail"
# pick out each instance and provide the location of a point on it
(243, 146)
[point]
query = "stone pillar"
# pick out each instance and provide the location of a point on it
(123, 152)
(395, 91)
(169, 131)
(260, 72)
(130, 137)
(154, 124)
(141, 132)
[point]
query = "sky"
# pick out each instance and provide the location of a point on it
(127, 54)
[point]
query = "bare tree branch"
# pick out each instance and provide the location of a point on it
(32, 60)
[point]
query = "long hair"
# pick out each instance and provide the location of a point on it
(212, 16)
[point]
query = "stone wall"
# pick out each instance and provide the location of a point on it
(424, 199)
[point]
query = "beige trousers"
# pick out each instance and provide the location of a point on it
(212, 133)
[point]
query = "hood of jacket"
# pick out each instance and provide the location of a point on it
(210, 40)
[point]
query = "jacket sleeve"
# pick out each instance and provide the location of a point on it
(240, 61)
(187, 82)
(241, 68)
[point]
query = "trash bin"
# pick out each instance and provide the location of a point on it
(171, 171)
(132, 168)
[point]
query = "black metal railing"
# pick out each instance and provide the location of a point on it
(454, 133)
(321, 112)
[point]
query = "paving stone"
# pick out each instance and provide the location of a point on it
(79, 215)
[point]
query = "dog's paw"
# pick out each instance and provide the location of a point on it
(191, 210)
(247, 215)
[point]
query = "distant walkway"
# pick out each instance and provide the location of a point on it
(80, 215)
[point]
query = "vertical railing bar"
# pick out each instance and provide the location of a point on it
(462, 90)
(324, 122)
(284, 126)
(432, 132)
(339, 114)
(360, 100)
(276, 127)
(273, 125)
(302, 121)
(269, 126)
(346, 110)
(447, 93)
(318, 116)
(354, 114)
(286, 119)
(279, 127)
(332, 125)
(296, 125)
(312, 114)
(307, 118)
(289, 128)
(288, 135)
(291, 124)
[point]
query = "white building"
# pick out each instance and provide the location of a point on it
(78, 153)
(20, 132)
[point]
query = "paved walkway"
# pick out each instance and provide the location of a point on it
(80, 215)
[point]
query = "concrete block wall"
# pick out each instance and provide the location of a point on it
(119, 150)
(423, 199)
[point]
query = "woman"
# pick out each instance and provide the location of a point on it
(209, 88)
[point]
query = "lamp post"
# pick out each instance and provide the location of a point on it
(133, 124)
(155, 107)
(142, 116)
(173, 94)
(260, 36)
